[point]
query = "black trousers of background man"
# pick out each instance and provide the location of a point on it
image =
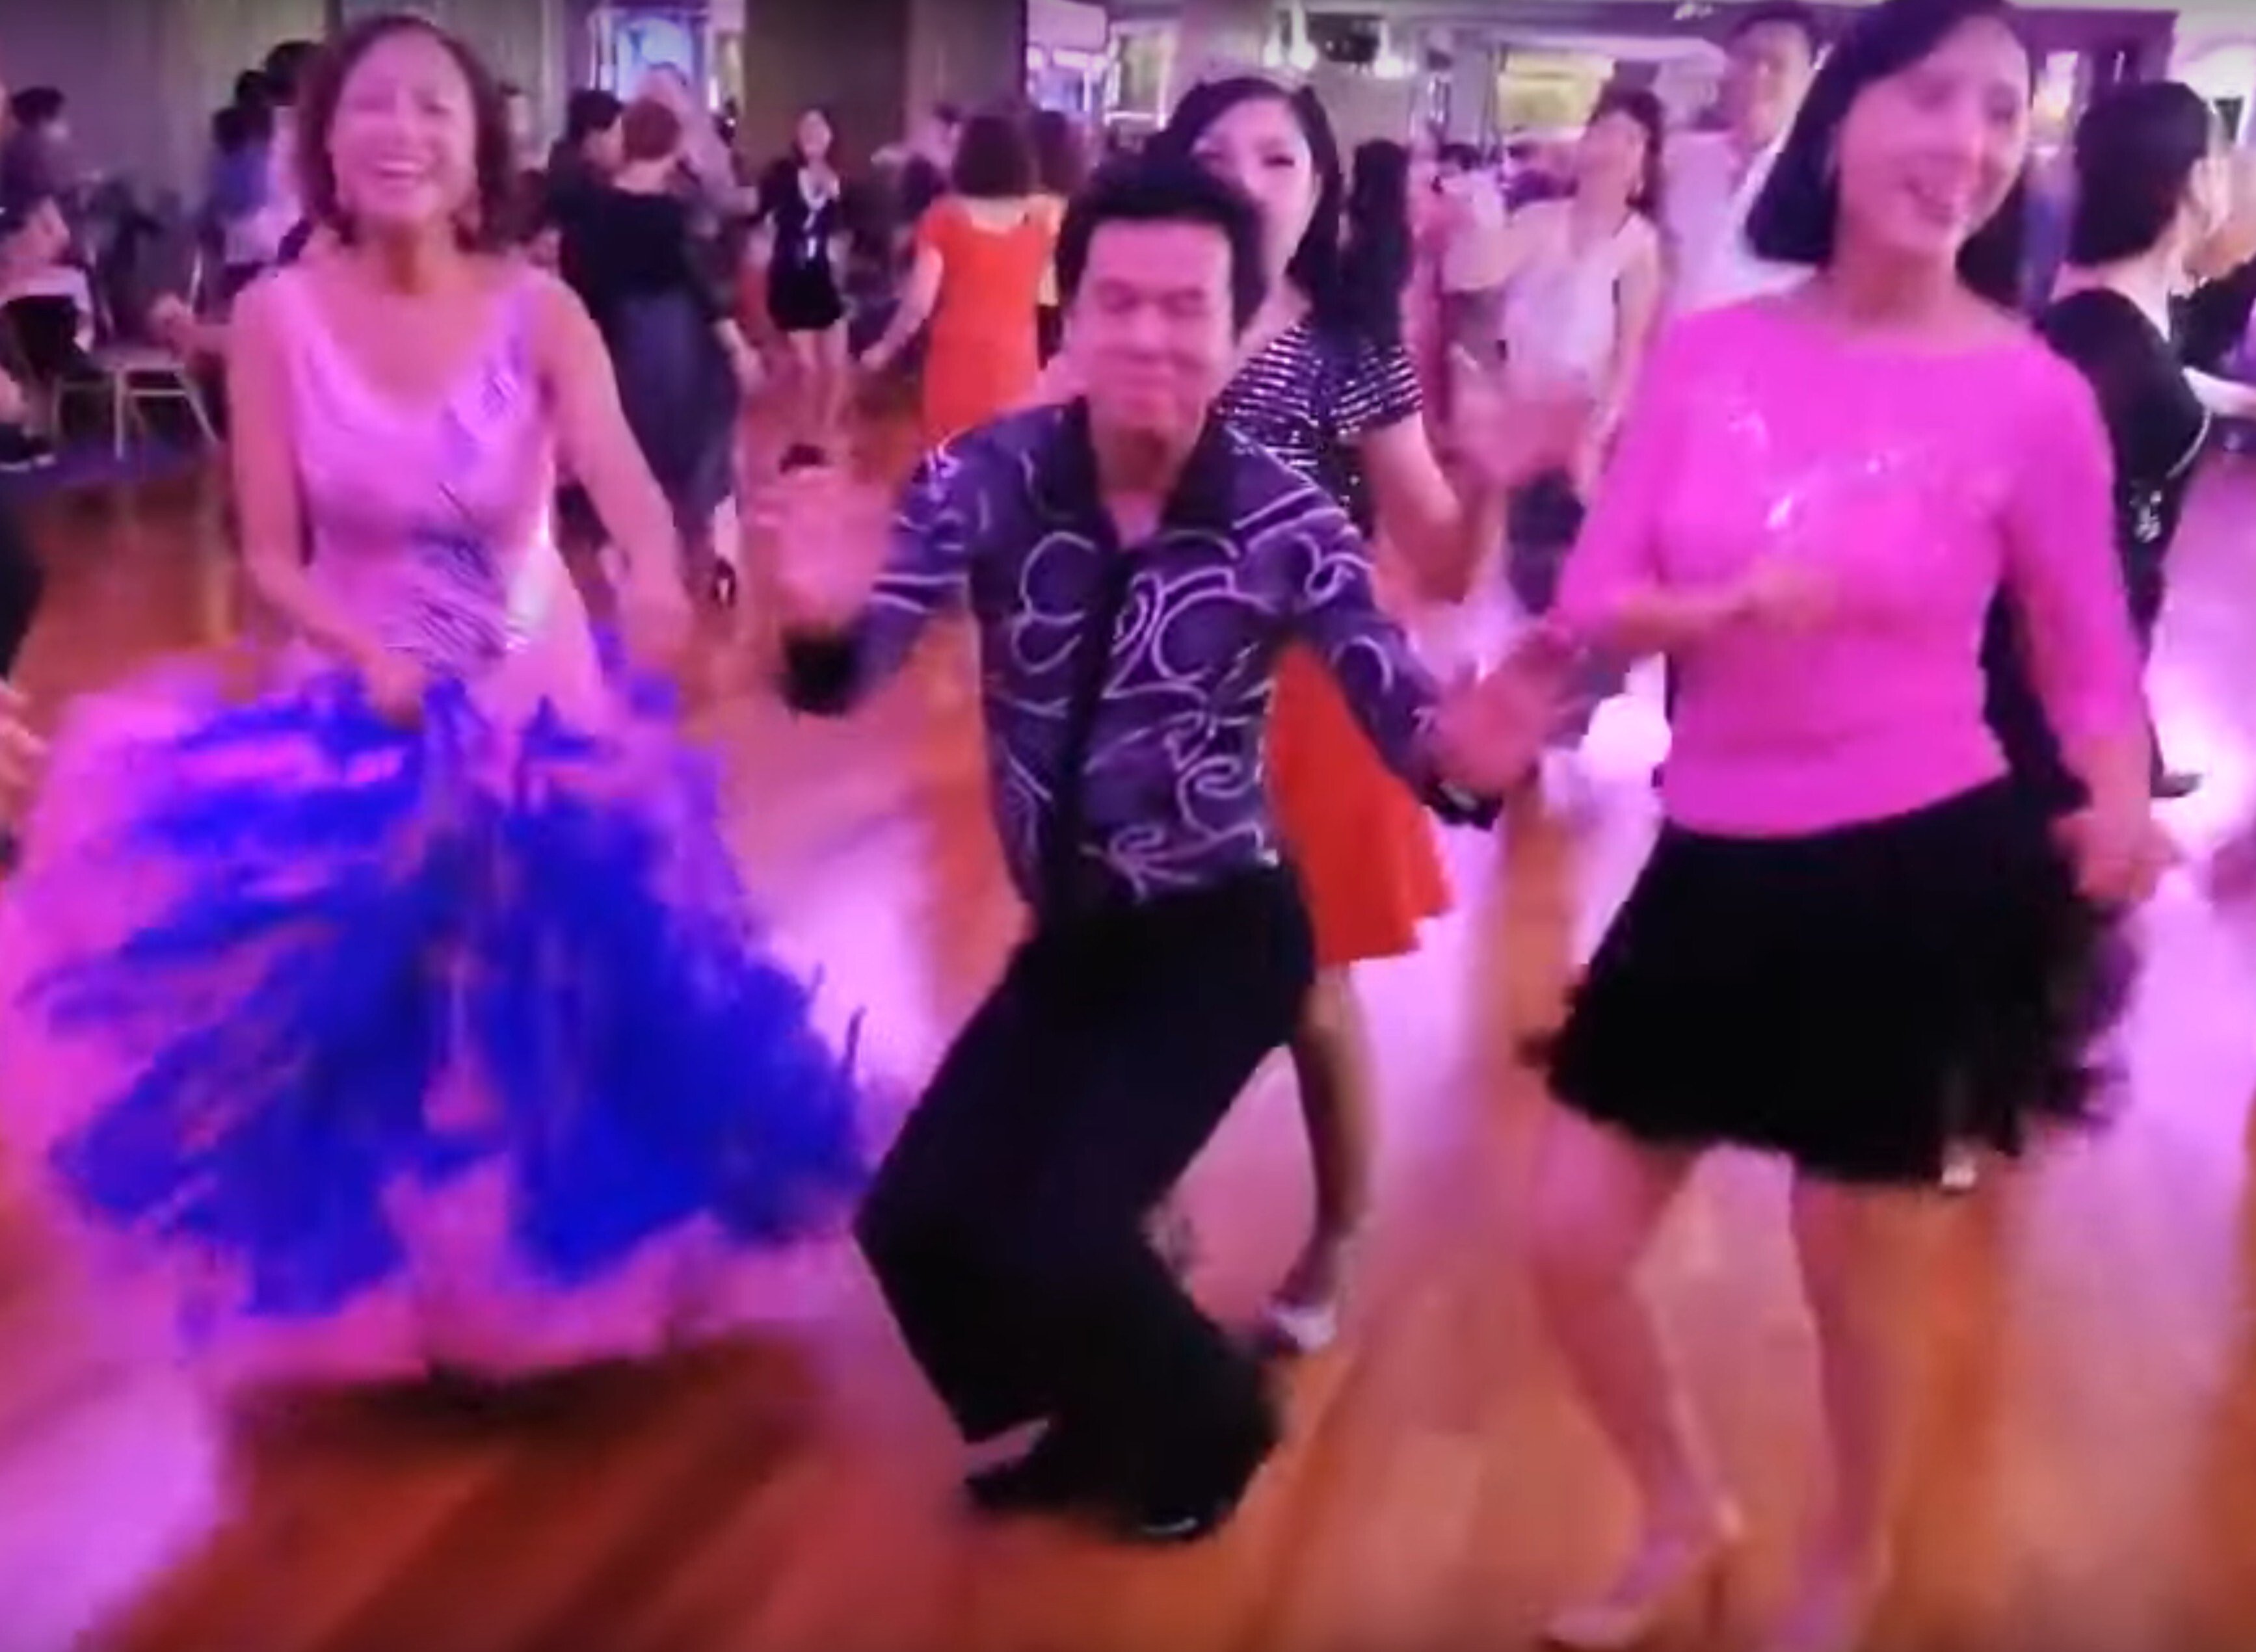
(21, 583)
(1006, 1226)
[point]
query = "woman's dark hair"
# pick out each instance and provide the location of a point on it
(1060, 157)
(1149, 189)
(649, 131)
(36, 106)
(1796, 218)
(2136, 150)
(1377, 247)
(494, 153)
(1357, 303)
(1637, 104)
(798, 156)
(589, 112)
(991, 161)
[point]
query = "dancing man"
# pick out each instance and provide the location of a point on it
(1134, 570)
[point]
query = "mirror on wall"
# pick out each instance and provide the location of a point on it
(630, 41)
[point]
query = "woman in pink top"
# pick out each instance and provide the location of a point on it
(1842, 947)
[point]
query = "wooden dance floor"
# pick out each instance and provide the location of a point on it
(2088, 1483)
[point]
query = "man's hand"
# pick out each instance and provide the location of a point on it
(1490, 730)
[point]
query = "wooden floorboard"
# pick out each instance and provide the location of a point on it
(2087, 1480)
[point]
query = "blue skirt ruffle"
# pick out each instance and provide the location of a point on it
(358, 916)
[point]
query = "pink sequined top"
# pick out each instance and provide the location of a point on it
(1921, 480)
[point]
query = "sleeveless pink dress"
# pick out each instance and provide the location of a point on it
(373, 1051)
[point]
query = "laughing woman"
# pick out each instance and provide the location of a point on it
(409, 1016)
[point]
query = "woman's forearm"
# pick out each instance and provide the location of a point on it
(1648, 619)
(908, 321)
(310, 611)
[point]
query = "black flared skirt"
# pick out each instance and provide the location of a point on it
(803, 296)
(1855, 1000)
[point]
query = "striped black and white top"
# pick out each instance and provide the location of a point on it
(1311, 394)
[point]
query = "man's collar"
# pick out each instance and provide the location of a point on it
(1203, 493)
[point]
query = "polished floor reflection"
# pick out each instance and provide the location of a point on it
(2088, 1482)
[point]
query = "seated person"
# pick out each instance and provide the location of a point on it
(35, 263)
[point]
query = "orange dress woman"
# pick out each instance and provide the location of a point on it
(983, 253)
(1327, 385)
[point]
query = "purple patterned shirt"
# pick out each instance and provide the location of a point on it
(1248, 557)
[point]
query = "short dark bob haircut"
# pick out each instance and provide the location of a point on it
(992, 159)
(1796, 218)
(1146, 189)
(2137, 148)
(494, 153)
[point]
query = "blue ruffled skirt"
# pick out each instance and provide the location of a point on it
(383, 1049)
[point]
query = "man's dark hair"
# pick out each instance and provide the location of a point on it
(590, 110)
(1163, 190)
(2136, 150)
(36, 106)
(285, 67)
(253, 90)
(1778, 14)
(993, 161)
(1796, 218)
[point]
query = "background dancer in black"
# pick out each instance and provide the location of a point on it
(2150, 184)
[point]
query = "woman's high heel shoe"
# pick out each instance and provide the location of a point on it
(1833, 1609)
(1303, 1318)
(1301, 1328)
(1680, 1576)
